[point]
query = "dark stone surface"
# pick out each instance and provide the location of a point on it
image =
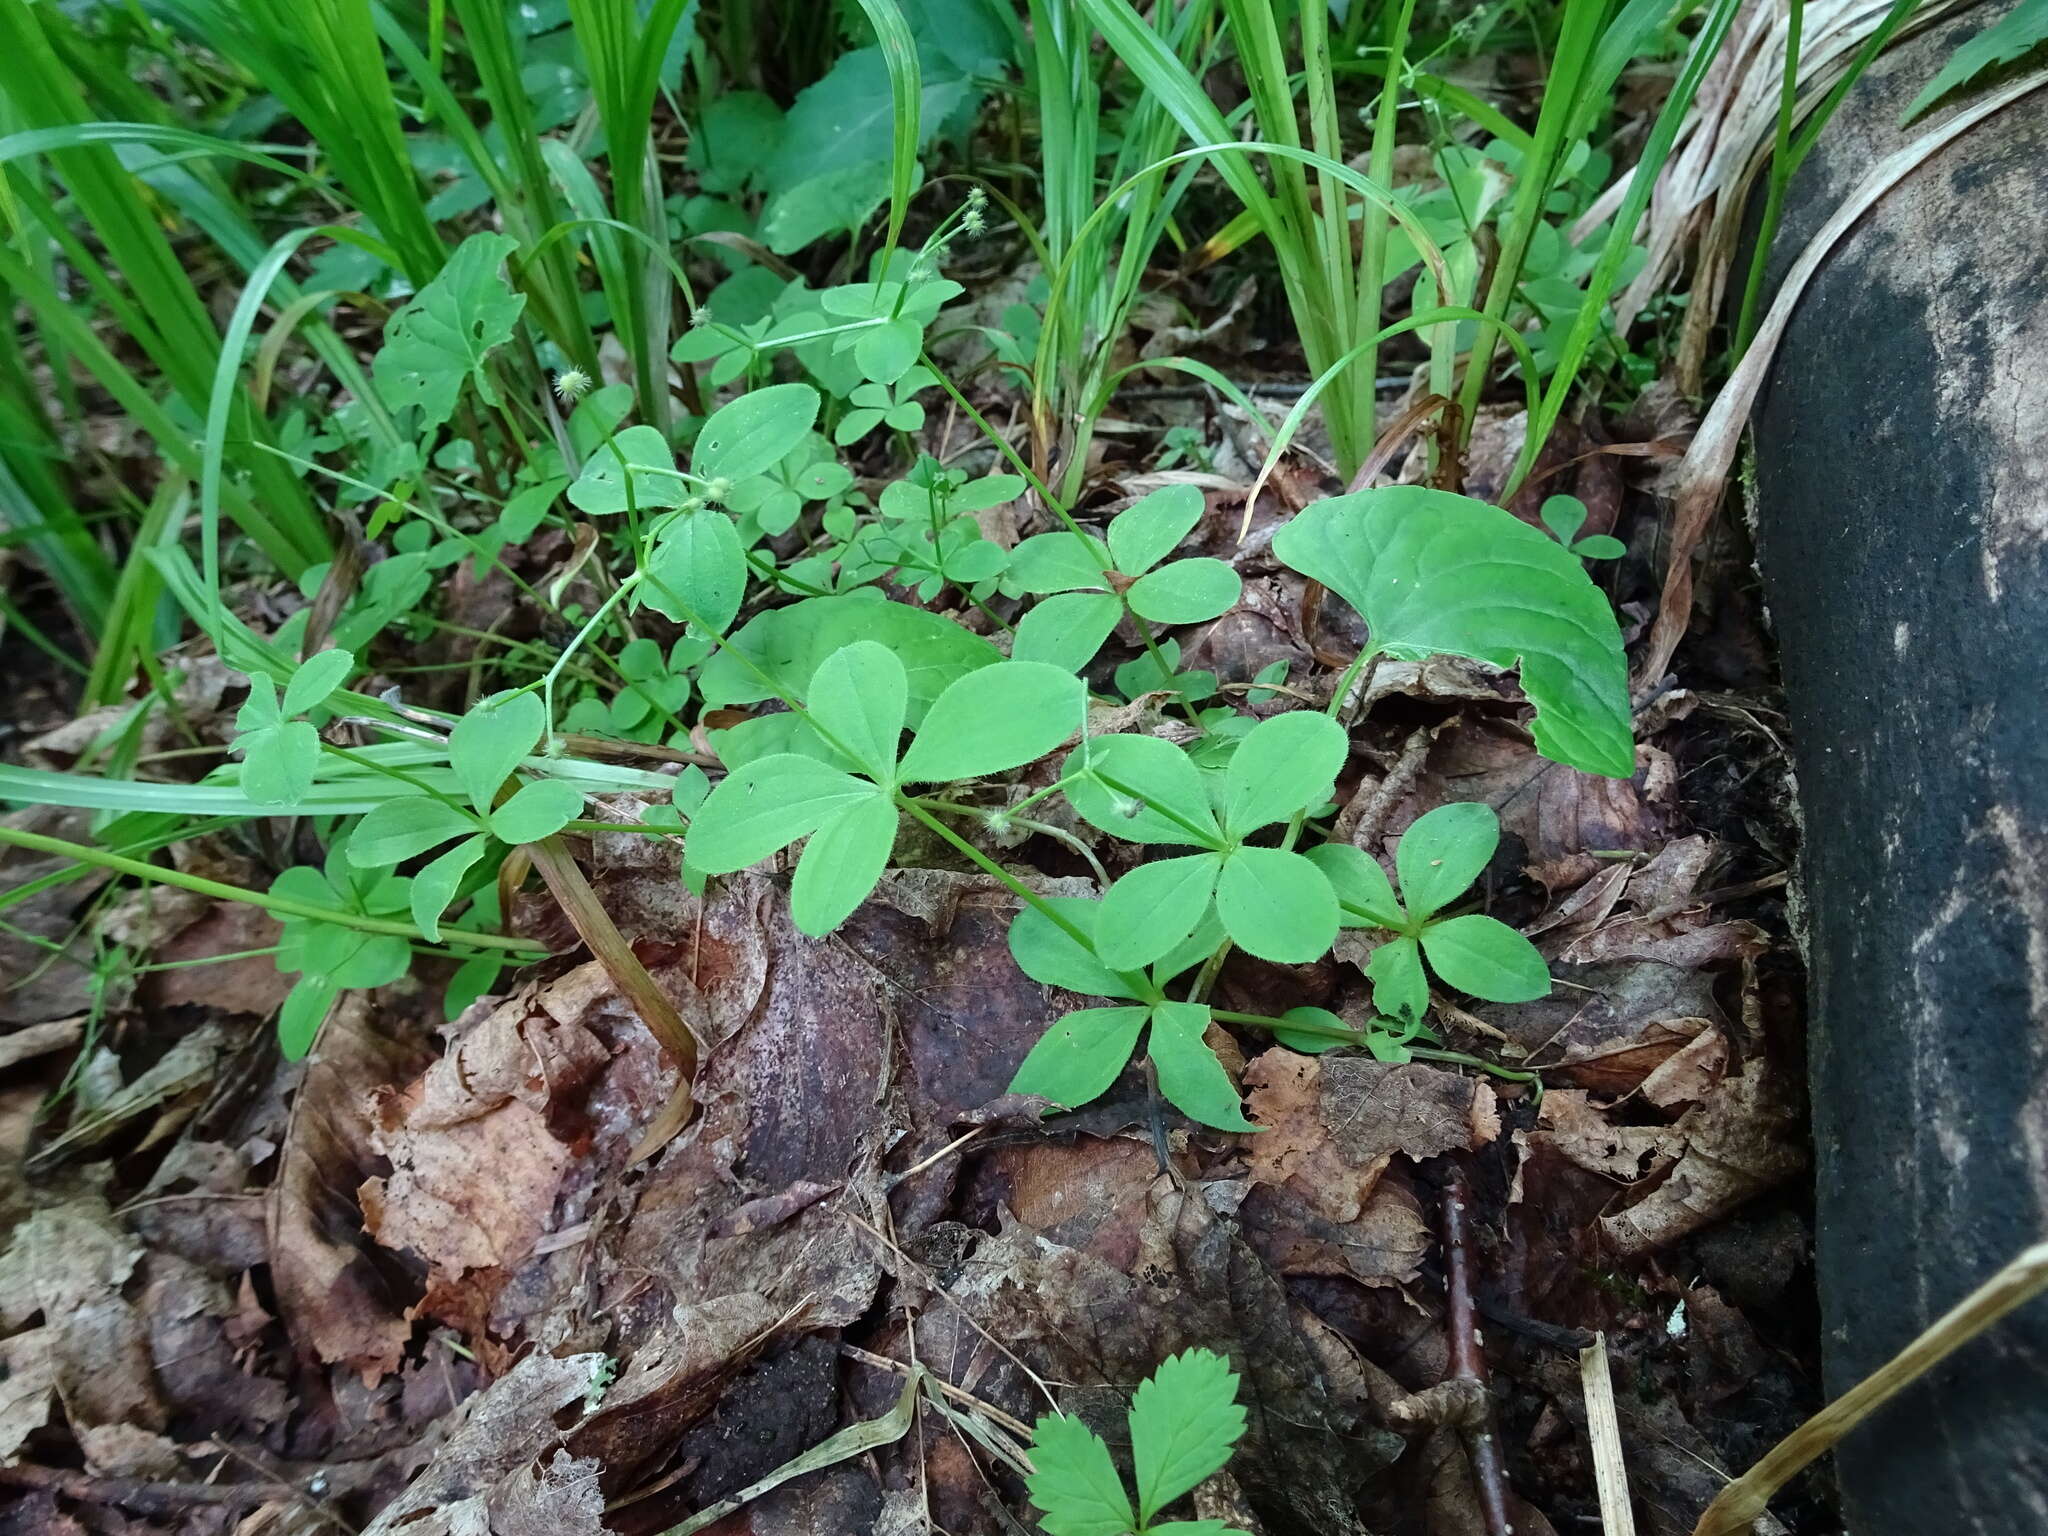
(1902, 531)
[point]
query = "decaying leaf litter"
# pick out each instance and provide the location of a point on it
(422, 1282)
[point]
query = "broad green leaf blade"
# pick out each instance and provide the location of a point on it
(1055, 562)
(536, 810)
(1047, 953)
(1185, 592)
(435, 885)
(1399, 989)
(1190, 1076)
(754, 433)
(305, 1009)
(697, 571)
(492, 740)
(636, 468)
(789, 644)
(400, 829)
(860, 697)
(317, 677)
(1285, 764)
(440, 339)
(766, 805)
(1433, 573)
(1442, 853)
(1001, 717)
(1485, 957)
(1077, 1059)
(280, 763)
(1184, 1422)
(842, 862)
(1276, 905)
(1149, 530)
(1311, 1042)
(1363, 889)
(1141, 789)
(1151, 909)
(1076, 1488)
(1066, 630)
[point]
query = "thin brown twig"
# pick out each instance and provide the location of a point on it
(1468, 1357)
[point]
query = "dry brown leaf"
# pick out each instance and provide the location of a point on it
(253, 986)
(1571, 1123)
(32, 1040)
(28, 1375)
(1747, 1136)
(1607, 1027)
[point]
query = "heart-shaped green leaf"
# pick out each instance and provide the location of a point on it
(1432, 573)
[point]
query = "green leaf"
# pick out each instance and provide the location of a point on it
(1047, 953)
(305, 1009)
(441, 338)
(860, 696)
(1171, 802)
(1185, 592)
(1305, 1041)
(1564, 516)
(1077, 1059)
(1485, 957)
(1055, 562)
(436, 884)
(887, 352)
(279, 762)
(1363, 889)
(1600, 547)
(536, 810)
(823, 206)
(638, 459)
(398, 829)
(1442, 853)
(765, 805)
(1154, 907)
(1195, 948)
(789, 644)
(1149, 530)
(999, 718)
(491, 741)
(1190, 1077)
(1399, 989)
(1076, 1488)
(2016, 33)
(1433, 573)
(697, 570)
(753, 434)
(842, 862)
(1276, 905)
(1066, 631)
(1284, 764)
(316, 678)
(847, 120)
(1184, 1422)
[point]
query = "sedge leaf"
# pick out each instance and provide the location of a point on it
(1433, 573)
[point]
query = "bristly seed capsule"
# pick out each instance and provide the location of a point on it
(571, 385)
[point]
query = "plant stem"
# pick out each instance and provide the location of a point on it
(283, 906)
(989, 866)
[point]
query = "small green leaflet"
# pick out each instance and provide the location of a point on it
(633, 468)
(1184, 1423)
(1433, 573)
(789, 644)
(2016, 33)
(753, 434)
(441, 338)
(697, 571)
(491, 741)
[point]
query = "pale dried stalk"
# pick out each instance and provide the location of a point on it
(1610, 1469)
(1742, 1502)
(1703, 476)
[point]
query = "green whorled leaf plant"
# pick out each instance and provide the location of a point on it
(1087, 584)
(1437, 859)
(994, 720)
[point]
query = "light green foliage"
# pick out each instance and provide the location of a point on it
(1437, 860)
(281, 752)
(2014, 35)
(1095, 581)
(1565, 516)
(1184, 1423)
(1434, 574)
(443, 338)
(858, 704)
(329, 958)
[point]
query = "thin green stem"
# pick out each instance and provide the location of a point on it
(283, 906)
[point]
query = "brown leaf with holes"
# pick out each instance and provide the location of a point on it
(1746, 1137)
